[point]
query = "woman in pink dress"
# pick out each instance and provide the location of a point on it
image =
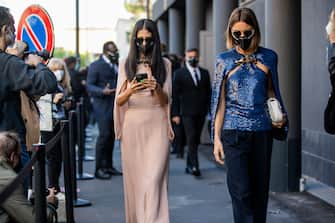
(142, 123)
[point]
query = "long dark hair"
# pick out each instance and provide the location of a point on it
(157, 63)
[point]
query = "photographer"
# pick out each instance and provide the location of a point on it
(62, 102)
(32, 77)
(29, 109)
(16, 208)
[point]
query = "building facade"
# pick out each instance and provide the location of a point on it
(295, 30)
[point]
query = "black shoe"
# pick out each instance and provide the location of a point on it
(196, 172)
(113, 171)
(102, 175)
(188, 170)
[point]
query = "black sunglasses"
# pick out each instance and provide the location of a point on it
(248, 34)
(139, 41)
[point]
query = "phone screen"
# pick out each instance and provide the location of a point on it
(140, 77)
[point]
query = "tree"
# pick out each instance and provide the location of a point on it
(137, 7)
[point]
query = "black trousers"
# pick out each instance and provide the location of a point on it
(179, 138)
(105, 144)
(248, 160)
(54, 158)
(193, 127)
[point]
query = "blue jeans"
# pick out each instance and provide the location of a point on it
(248, 161)
(24, 155)
(25, 158)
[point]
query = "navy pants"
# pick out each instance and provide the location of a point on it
(248, 160)
(105, 144)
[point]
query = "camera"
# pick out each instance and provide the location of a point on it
(43, 53)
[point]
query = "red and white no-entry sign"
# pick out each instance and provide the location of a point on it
(36, 29)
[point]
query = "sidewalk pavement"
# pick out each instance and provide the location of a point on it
(193, 200)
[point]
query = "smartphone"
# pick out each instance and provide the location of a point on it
(141, 76)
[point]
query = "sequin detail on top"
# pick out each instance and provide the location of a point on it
(226, 62)
(246, 94)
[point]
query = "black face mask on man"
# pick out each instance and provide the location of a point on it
(113, 57)
(193, 61)
(245, 40)
(145, 48)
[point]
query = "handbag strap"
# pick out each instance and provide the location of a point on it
(270, 90)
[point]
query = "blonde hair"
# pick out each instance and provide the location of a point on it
(57, 64)
(243, 15)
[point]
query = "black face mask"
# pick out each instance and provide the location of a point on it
(113, 57)
(243, 41)
(193, 61)
(145, 48)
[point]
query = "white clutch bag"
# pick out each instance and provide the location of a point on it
(275, 111)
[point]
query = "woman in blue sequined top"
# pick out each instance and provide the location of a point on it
(245, 77)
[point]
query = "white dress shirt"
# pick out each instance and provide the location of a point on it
(194, 71)
(112, 65)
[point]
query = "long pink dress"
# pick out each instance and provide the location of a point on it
(143, 126)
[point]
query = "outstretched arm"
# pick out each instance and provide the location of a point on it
(218, 123)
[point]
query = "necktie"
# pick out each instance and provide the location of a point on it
(197, 79)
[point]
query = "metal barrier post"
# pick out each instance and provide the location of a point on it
(77, 202)
(80, 139)
(39, 177)
(82, 118)
(67, 172)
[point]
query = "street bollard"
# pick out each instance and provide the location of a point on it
(67, 172)
(39, 181)
(77, 202)
(80, 139)
(85, 157)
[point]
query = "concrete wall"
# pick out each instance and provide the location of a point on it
(318, 147)
(259, 8)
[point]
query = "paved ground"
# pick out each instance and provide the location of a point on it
(194, 200)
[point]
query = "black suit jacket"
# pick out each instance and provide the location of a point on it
(187, 98)
(99, 75)
(331, 64)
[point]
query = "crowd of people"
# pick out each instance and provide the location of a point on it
(149, 101)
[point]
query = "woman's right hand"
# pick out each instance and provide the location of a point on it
(127, 90)
(135, 86)
(218, 151)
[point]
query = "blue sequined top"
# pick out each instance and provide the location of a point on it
(246, 94)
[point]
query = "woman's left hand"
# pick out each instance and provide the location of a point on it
(279, 125)
(150, 84)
